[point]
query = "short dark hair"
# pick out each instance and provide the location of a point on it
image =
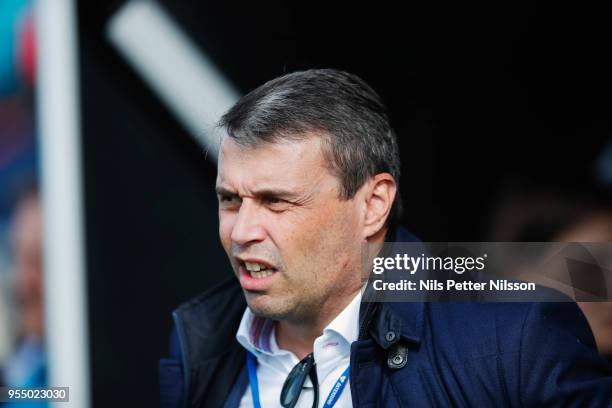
(359, 141)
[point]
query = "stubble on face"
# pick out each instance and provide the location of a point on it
(313, 239)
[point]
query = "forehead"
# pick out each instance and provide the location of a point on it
(290, 163)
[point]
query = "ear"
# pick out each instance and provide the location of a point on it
(379, 197)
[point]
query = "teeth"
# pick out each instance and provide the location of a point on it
(261, 274)
(257, 270)
(253, 266)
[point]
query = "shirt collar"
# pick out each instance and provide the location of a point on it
(346, 323)
(256, 334)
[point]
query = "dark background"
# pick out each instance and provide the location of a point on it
(483, 96)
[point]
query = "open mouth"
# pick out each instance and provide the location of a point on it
(256, 275)
(258, 270)
(255, 268)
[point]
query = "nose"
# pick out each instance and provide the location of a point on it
(248, 227)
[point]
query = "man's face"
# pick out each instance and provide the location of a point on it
(280, 212)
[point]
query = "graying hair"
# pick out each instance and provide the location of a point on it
(350, 116)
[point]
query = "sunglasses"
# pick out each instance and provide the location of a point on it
(295, 382)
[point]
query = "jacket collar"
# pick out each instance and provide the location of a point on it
(402, 319)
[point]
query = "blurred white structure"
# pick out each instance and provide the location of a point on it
(62, 197)
(181, 75)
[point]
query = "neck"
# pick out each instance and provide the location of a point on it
(299, 337)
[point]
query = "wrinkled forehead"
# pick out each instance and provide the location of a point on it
(289, 162)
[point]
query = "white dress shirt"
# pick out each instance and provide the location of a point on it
(331, 353)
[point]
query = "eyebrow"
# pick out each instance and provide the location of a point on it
(220, 190)
(264, 192)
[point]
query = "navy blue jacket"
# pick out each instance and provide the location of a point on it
(438, 355)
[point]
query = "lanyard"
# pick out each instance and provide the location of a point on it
(330, 401)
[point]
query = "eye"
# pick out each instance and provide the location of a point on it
(229, 200)
(276, 204)
(274, 200)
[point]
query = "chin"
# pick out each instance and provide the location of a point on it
(265, 306)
